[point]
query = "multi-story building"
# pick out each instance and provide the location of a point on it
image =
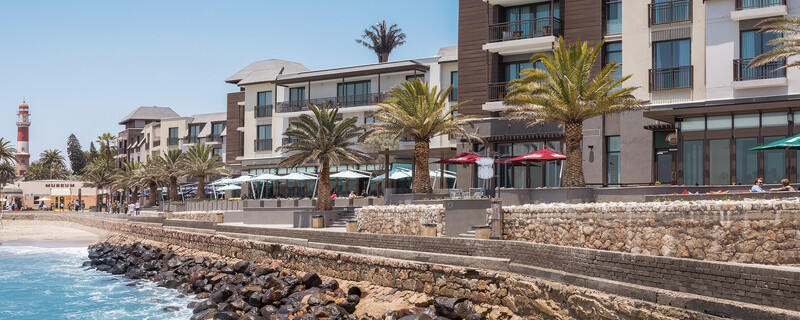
(273, 93)
(134, 123)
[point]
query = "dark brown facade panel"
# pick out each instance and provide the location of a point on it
(472, 60)
(233, 138)
(583, 20)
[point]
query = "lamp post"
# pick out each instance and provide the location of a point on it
(497, 174)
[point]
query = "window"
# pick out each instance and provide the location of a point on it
(351, 94)
(719, 161)
(746, 160)
(297, 97)
(264, 137)
(216, 131)
(454, 83)
(532, 20)
(718, 123)
(420, 76)
(774, 119)
(693, 162)
(753, 44)
(369, 119)
(613, 52)
(774, 162)
(513, 70)
(671, 65)
(670, 11)
(613, 160)
(741, 121)
(755, 4)
(173, 137)
(216, 152)
(693, 124)
(264, 104)
(613, 17)
(194, 131)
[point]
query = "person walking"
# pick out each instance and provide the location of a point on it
(137, 208)
(132, 209)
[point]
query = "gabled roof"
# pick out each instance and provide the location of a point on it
(264, 71)
(448, 54)
(149, 113)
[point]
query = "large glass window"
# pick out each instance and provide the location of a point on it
(718, 122)
(513, 70)
(669, 11)
(264, 137)
(216, 131)
(742, 121)
(454, 83)
(352, 94)
(613, 52)
(774, 162)
(774, 119)
(746, 160)
(753, 44)
(671, 64)
(613, 16)
(531, 20)
(173, 137)
(693, 124)
(613, 160)
(194, 131)
(719, 163)
(297, 97)
(693, 162)
(263, 104)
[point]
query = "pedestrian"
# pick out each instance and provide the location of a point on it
(137, 208)
(132, 209)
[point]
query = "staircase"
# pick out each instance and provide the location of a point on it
(341, 222)
(467, 235)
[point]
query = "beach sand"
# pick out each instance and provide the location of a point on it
(47, 233)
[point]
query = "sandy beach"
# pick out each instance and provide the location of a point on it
(52, 232)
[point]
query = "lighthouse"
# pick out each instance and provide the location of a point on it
(23, 152)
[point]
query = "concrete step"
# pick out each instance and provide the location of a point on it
(468, 235)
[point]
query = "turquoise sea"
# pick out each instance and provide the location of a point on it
(40, 282)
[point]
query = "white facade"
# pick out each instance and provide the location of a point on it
(155, 140)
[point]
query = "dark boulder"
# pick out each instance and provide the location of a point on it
(311, 280)
(464, 309)
(241, 266)
(226, 315)
(171, 309)
(207, 304)
(446, 307)
(329, 311)
(330, 285)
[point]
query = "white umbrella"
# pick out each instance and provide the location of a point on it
(44, 199)
(221, 182)
(229, 187)
(296, 176)
(349, 175)
(394, 175)
(241, 179)
(266, 176)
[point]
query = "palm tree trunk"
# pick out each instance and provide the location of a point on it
(422, 178)
(324, 202)
(201, 187)
(173, 188)
(135, 194)
(573, 167)
(153, 188)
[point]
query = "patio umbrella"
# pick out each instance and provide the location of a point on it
(241, 179)
(264, 177)
(790, 143)
(541, 155)
(395, 174)
(221, 182)
(44, 199)
(296, 177)
(229, 187)
(349, 175)
(461, 158)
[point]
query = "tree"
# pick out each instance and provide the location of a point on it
(7, 152)
(53, 163)
(201, 164)
(170, 165)
(99, 174)
(568, 93)
(92, 153)
(785, 46)
(107, 145)
(36, 171)
(419, 112)
(77, 158)
(151, 175)
(127, 179)
(8, 173)
(325, 141)
(382, 40)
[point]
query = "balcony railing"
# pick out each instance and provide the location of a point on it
(497, 91)
(671, 78)
(770, 70)
(454, 94)
(670, 12)
(172, 141)
(215, 138)
(192, 139)
(286, 141)
(755, 4)
(263, 144)
(342, 102)
(525, 29)
(264, 111)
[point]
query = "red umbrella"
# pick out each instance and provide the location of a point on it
(540, 155)
(461, 158)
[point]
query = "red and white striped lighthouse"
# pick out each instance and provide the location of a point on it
(23, 152)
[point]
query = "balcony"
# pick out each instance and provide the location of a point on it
(193, 139)
(669, 12)
(286, 141)
(263, 111)
(671, 78)
(343, 102)
(768, 75)
(497, 91)
(215, 138)
(156, 142)
(172, 141)
(758, 9)
(263, 144)
(525, 36)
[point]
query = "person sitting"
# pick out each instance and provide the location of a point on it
(757, 185)
(784, 186)
(333, 195)
(351, 195)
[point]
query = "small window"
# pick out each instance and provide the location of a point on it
(742, 121)
(718, 123)
(693, 124)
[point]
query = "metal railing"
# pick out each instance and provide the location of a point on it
(192, 139)
(671, 78)
(215, 138)
(770, 70)
(263, 111)
(525, 29)
(172, 141)
(755, 4)
(497, 91)
(669, 12)
(342, 102)
(286, 141)
(263, 144)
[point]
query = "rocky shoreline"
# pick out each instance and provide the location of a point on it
(246, 290)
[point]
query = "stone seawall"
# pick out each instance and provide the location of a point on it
(527, 297)
(196, 216)
(400, 219)
(748, 231)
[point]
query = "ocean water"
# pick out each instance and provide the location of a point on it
(38, 282)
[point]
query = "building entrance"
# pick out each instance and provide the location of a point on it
(665, 167)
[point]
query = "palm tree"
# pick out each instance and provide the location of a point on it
(200, 163)
(7, 152)
(566, 92)
(127, 179)
(54, 163)
(36, 171)
(8, 173)
(419, 112)
(99, 174)
(785, 46)
(107, 147)
(170, 166)
(382, 40)
(151, 175)
(324, 140)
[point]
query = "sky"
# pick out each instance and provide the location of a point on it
(82, 66)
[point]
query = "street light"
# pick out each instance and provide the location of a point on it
(497, 175)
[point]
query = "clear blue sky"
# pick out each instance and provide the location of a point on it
(84, 65)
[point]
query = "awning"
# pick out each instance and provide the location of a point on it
(11, 189)
(229, 187)
(349, 175)
(241, 179)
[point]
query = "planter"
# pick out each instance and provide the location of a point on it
(305, 203)
(429, 230)
(482, 232)
(318, 221)
(352, 226)
(219, 218)
(168, 214)
(295, 203)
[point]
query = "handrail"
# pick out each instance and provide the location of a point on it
(497, 91)
(341, 101)
(263, 111)
(755, 4)
(671, 78)
(263, 144)
(524, 29)
(770, 70)
(669, 12)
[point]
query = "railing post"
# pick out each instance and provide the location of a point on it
(496, 220)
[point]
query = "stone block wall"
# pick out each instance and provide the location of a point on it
(196, 216)
(749, 231)
(400, 219)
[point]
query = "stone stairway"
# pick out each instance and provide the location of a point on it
(342, 221)
(467, 235)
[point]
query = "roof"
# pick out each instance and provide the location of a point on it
(362, 70)
(149, 113)
(264, 71)
(448, 54)
(209, 117)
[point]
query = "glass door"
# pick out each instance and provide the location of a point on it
(665, 167)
